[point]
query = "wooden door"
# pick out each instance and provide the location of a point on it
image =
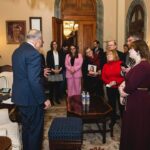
(86, 34)
(57, 30)
(83, 12)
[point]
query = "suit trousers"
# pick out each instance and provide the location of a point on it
(113, 99)
(32, 119)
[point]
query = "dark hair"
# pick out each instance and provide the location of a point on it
(51, 45)
(143, 49)
(96, 41)
(135, 36)
(125, 45)
(84, 52)
(76, 53)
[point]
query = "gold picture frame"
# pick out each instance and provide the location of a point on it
(15, 31)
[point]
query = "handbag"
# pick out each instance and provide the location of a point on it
(55, 77)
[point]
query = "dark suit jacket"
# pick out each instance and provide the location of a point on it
(121, 56)
(50, 60)
(27, 84)
(98, 50)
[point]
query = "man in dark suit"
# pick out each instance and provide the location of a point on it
(28, 92)
(100, 52)
(96, 47)
(97, 50)
(128, 61)
(112, 45)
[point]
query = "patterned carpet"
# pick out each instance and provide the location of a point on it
(92, 141)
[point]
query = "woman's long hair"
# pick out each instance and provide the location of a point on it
(143, 49)
(76, 52)
(51, 45)
(114, 53)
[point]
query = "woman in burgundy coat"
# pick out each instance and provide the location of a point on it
(135, 133)
(92, 73)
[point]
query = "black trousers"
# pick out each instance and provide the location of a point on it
(54, 90)
(63, 85)
(113, 99)
(32, 119)
(93, 85)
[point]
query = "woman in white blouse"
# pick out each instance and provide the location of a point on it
(54, 61)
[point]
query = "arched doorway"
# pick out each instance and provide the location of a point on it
(98, 27)
(136, 19)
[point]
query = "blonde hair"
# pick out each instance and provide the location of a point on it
(114, 53)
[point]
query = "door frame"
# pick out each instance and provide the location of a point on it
(99, 18)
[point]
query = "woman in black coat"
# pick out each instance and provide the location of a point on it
(92, 78)
(54, 61)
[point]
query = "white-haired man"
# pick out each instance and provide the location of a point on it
(27, 91)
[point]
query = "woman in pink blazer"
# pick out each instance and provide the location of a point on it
(73, 63)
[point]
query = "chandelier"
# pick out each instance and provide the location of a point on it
(69, 27)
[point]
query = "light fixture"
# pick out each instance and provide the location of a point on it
(76, 26)
(69, 27)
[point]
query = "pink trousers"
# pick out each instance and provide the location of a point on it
(73, 86)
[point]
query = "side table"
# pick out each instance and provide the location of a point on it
(98, 112)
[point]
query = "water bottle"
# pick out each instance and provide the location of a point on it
(83, 100)
(87, 101)
(87, 98)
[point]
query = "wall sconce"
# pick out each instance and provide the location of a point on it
(69, 27)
